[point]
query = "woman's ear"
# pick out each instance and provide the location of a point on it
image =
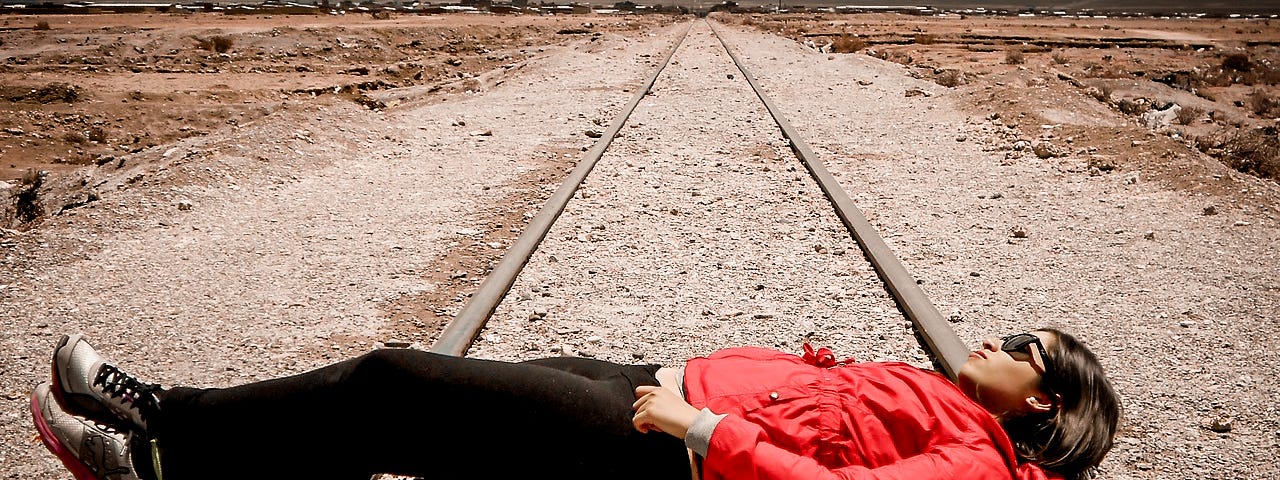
(1041, 403)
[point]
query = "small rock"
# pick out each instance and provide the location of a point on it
(184, 205)
(763, 316)
(1018, 232)
(820, 249)
(1211, 210)
(1143, 466)
(961, 138)
(730, 76)
(1150, 235)
(1044, 150)
(13, 131)
(396, 344)
(1220, 424)
(916, 92)
(1242, 223)
(593, 133)
(482, 133)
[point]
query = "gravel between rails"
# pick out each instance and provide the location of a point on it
(697, 230)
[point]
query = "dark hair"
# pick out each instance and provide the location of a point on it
(1072, 439)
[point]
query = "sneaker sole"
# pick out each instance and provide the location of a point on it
(68, 458)
(79, 404)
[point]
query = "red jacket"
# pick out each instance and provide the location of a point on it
(814, 418)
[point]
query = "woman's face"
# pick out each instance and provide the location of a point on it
(1006, 382)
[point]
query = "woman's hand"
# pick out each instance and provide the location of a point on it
(660, 409)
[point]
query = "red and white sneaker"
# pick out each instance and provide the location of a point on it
(88, 451)
(88, 386)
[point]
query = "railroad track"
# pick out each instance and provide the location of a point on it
(931, 329)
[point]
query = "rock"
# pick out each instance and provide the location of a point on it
(481, 133)
(455, 61)
(1045, 150)
(1219, 424)
(1018, 232)
(961, 138)
(1210, 210)
(13, 131)
(396, 344)
(1149, 235)
(916, 92)
(184, 205)
(729, 76)
(593, 133)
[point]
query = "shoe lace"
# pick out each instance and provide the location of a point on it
(132, 392)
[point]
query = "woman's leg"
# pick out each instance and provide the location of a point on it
(417, 413)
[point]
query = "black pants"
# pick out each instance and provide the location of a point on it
(416, 413)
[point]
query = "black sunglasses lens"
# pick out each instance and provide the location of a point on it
(1018, 342)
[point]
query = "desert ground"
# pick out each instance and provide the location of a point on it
(219, 199)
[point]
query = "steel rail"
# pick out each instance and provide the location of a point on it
(947, 348)
(466, 325)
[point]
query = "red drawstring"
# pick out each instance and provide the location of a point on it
(823, 357)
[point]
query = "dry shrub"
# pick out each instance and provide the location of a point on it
(1237, 61)
(27, 206)
(1133, 107)
(1255, 151)
(97, 134)
(847, 44)
(1014, 56)
(925, 39)
(216, 43)
(1187, 115)
(42, 25)
(950, 78)
(57, 92)
(1264, 105)
(1102, 93)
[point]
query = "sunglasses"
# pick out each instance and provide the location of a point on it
(1019, 342)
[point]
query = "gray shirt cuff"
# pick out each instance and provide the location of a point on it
(698, 438)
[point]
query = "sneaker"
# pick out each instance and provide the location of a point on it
(89, 451)
(86, 385)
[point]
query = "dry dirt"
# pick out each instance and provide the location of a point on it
(280, 210)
